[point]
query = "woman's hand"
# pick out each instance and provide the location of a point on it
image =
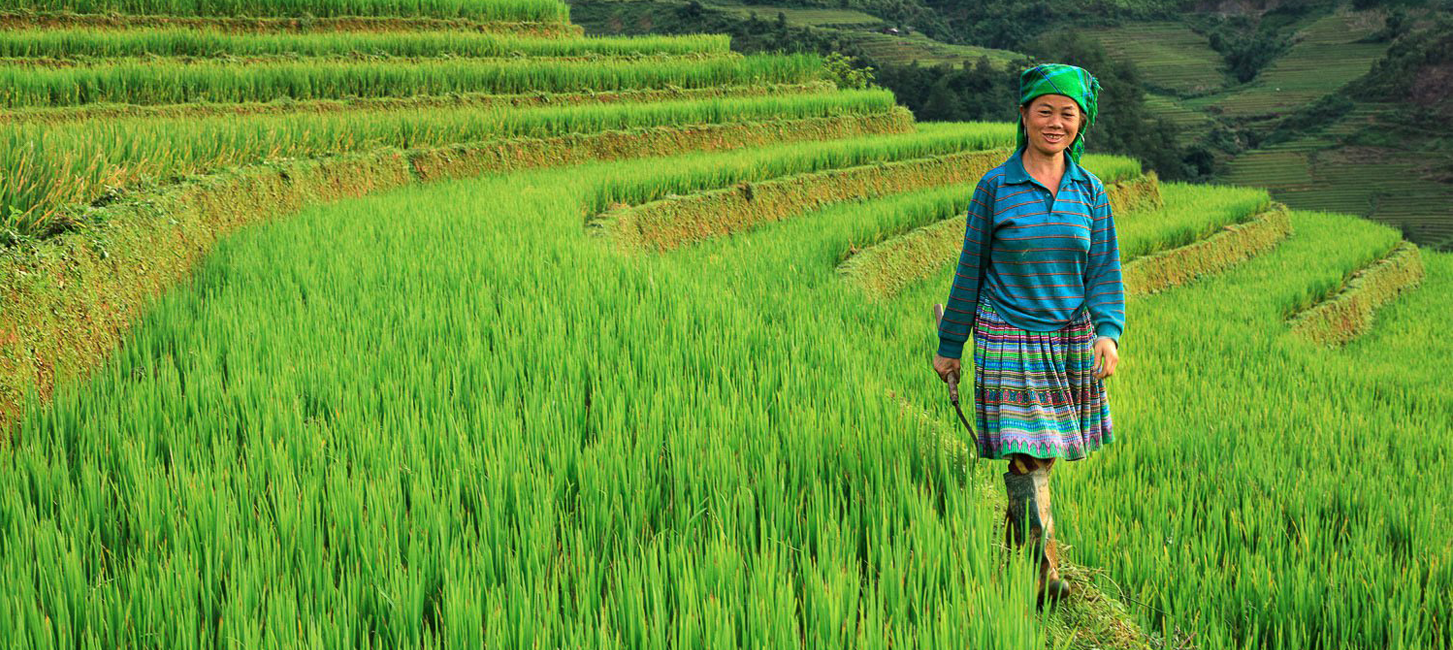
(1107, 356)
(945, 366)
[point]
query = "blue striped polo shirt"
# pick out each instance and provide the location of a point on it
(1038, 260)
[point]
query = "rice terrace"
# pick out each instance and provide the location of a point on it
(441, 323)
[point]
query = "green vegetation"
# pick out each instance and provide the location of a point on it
(707, 173)
(1278, 495)
(1329, 54)
(1342, 317)
(146, 83)
(535, 10)
(1169, 56)
(49, 115)
(813, 16)
(907, 49)
(671, 518)
(241, 406)
(1234, 244)
(52, 168)
(162, 41)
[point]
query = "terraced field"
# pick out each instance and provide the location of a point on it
(607, 364)
(928, 52)
(1387, 186)
(1189, 120)
(1325, 55)
(810, 16)
(1170, 57)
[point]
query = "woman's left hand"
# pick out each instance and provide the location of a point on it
(1107, 356)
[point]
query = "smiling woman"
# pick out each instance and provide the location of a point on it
(1038, 286)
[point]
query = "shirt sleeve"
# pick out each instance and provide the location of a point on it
(1104, 292)
(963, 298)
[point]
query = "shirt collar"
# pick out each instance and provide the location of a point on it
(1014, 171)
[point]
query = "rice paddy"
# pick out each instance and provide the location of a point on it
(448, 415)
(1327, 54)
(83, 44)
(485, 10)
(53, 167)
(147, 83)
(1171, 57)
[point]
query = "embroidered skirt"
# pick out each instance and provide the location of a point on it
(1035, 392)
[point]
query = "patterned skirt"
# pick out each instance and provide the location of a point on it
(1035, 392)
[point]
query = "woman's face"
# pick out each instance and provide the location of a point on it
(1051, 122)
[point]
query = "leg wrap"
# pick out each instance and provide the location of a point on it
(1041, 535)
(1019, 488)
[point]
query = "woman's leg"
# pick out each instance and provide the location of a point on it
(1030, 518)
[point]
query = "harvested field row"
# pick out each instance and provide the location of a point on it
(184, 42)
(54, 328)
(1134, 195)
(771, 192)
(14, 21)
(666, 224)
(1190, 213)
(1236, 243)
(1348, 313)
(44, 169)
(150, 84)
(531, 10)
(693, 174)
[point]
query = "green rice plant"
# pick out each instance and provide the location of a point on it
(287, 25)
(1228, 247)
(176, 42)
(45, 169)
(531, 10)
(286, 436)
(1269, 473)
(697, 173)
(169, 83)
(94, 112)
(1190, 213)
(52, 327)
(663, 225)
(471, 425)
(1348, 313)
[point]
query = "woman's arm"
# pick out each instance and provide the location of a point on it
(1104, 292)
(963, 298)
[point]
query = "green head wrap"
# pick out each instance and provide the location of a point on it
(1060, 79)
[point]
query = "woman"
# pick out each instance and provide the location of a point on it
(1038, 285)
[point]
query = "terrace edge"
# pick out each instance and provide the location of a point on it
(70, 299)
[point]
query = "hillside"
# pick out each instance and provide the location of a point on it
(367, 323)
(1233, 131)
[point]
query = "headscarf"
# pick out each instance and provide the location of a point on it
(1060, 79)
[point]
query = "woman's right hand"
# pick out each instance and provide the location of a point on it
(945, 366)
